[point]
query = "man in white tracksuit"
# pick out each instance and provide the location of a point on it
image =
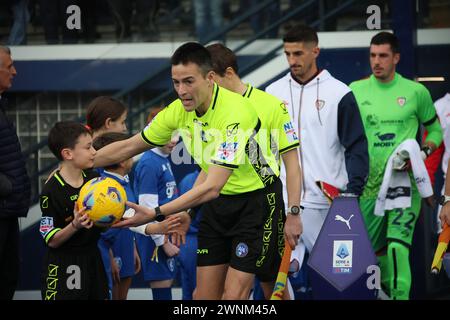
(333, 145)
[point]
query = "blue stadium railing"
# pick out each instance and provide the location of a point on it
(127, 94)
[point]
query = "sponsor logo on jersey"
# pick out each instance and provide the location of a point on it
(290, 132)
(227, 151)
(342, 256)
(46, 225)
(372, 120)
(171, 189)
(401, 101)
(241, 250)
(283, 107)
(385, 136)
(384, 140)
(392, 122)
(383, 144)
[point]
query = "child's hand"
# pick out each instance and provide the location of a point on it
(168, 225)
(81, 219)
(170, 249)
(115, 271)
(178, 234)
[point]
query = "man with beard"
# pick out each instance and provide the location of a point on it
(325, 115)
(392, 108)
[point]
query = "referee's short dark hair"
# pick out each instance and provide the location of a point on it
(65, 134)
(222, 58)
(301, 33)
(193, 52)
(108, 138)
(386, 38)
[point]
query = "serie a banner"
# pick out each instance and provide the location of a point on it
(343, 253)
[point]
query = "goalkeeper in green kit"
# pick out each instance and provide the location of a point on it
(392, 108)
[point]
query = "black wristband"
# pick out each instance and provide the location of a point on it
(191, 213)
(159, 216)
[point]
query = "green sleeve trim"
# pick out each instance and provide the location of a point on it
(288, 148)
(427, 123)
(51, 234)
(225, 165)
(149, 142)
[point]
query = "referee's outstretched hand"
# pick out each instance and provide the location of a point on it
(141, 215)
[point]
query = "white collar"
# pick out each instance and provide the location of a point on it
(160, 153)
(118, 176)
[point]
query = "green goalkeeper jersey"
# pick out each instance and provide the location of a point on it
(391, 113)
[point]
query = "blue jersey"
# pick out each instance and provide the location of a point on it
(153, 175)
(121, 241)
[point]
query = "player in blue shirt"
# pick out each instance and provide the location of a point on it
(114, 243)
(154, 185)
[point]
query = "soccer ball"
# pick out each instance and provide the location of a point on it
(104, 199)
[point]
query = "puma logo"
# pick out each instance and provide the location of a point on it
(347, 222)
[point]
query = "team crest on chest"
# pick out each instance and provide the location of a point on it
(320, 104)
(401, 101)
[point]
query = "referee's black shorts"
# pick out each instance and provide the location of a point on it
(74, 275)
(245, 231)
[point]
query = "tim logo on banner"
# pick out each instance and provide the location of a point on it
(342, 256)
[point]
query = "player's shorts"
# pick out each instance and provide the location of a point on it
(245, 231)
(156, 265)
(74, 275)
(123, 249)
(397, 224)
